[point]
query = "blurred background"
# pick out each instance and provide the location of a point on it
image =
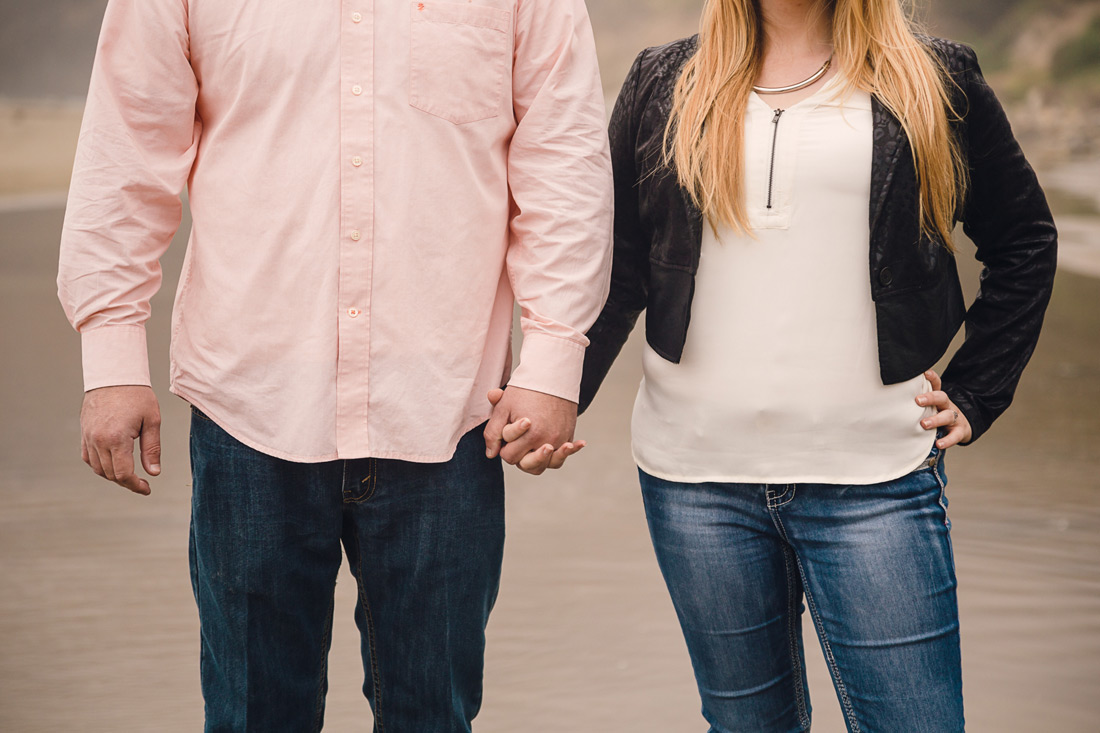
(98, 630)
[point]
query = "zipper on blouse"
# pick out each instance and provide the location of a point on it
(771, 169)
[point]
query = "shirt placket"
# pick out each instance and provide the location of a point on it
(356, 225)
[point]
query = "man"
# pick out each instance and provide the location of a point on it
(373, 186)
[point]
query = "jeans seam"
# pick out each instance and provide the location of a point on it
(778, 500)
(792, 642)
(827, 648)
(376, 676)
(326, 639)
(943, 489)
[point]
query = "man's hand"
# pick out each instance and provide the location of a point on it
(111, 419)
(537, 429)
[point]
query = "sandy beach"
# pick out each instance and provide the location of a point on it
(98, 630)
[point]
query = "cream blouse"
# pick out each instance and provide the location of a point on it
(779, 380)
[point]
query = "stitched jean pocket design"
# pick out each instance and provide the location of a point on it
(460, 56)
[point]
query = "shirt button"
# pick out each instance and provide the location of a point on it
(357, 161)
(356, 17)
(355, 235)
(357, 90)
(354, 312)
(885, 277)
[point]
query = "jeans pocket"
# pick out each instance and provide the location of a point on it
(196, 412)
(460, 56)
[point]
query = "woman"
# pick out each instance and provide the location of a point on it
(788, 181)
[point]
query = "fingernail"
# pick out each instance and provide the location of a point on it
(926, 423)
(155, 468)
(525, 422)
(488, 453)
(921, 400)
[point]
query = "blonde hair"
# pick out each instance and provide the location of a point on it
(875, 49)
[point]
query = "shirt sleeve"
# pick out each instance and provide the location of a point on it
(559, 171)
(137, 144)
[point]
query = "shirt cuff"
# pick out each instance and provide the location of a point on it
(550, 365)
(114, 356)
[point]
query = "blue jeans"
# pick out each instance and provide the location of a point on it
(424, 542)
(875, 567)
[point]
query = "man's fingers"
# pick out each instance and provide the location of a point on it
(84, 450)
(106, 463)
(122, 460)
(537, 461)
(513, 431)
(150, 447)
(93, 461)
(494, 431)
(495, 396)
(133, 483)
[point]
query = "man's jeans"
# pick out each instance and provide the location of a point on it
(424, 542)
(875, 566)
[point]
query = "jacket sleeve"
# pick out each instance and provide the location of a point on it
(1006, 215)
(136, 148)
(630, 260)
(559, 173)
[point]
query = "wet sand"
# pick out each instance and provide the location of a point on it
(98, 630)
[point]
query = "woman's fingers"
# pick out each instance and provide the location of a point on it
(537, 461)
(514, 431)
(942, 419)
(934, 380)
(936, 399)
(567, 449)
(947, 415)
(959, 433)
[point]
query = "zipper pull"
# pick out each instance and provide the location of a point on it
(778, 114)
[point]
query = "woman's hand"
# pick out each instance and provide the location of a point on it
(947, 416)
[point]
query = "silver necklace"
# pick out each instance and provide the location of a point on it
(800, 85)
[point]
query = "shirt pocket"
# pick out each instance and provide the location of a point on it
(459, 60)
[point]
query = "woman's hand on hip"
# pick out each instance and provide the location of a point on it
(948, 415)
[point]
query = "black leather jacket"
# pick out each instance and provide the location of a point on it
(914, 282)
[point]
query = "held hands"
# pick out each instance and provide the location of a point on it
(948, 414)
(536, 428)
(111, 419)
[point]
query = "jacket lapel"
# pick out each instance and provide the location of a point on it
(889, 142)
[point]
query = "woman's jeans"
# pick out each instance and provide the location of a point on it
(875, 566)
(424, 543)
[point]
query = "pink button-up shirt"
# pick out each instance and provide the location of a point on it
(372, 186)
